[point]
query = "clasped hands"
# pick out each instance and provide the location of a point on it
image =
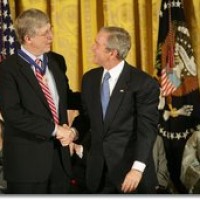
(65, 134)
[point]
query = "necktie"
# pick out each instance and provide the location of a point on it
(46, 91)
(105, 93)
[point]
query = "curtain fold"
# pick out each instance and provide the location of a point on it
(76, 23)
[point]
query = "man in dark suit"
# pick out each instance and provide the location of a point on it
(35, 145)
(120, 154)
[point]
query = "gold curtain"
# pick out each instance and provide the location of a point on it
(76, 23)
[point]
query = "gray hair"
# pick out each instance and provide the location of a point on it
(28, 22)
(118, 39)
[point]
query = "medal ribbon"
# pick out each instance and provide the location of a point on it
(32, 62)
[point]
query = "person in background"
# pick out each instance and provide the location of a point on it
(35, 95)
(161, 166)
(190, 164)
(3, 184)
(120, 110)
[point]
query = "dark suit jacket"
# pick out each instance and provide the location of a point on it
(28, 142)
(128, 131)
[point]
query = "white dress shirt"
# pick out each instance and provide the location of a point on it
(50, 81)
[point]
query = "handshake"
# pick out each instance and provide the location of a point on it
(67, 135)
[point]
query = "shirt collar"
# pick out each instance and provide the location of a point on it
(30, 54)
(115, 71)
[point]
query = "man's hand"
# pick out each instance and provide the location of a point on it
(131, 181)
(65, 135)
(72, 148)
(76, 148)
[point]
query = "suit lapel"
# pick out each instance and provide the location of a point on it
(54, 70)
(97, 97)
(117, 96)
(30, 77)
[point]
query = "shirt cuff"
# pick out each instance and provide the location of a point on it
(139, 166)
(54, 132)
(76, 133)
(80, 153)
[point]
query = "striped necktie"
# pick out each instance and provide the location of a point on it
(46, 91)
(105, 93)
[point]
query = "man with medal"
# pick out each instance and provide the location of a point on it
(34, 97)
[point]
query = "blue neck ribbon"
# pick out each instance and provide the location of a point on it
(32, 62)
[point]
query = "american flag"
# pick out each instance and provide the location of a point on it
(7, 33)
(177, 74)
(167, 85)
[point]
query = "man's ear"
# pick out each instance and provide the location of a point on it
(27, 38)
(114, 52)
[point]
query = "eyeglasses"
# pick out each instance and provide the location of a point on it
(45, 33)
